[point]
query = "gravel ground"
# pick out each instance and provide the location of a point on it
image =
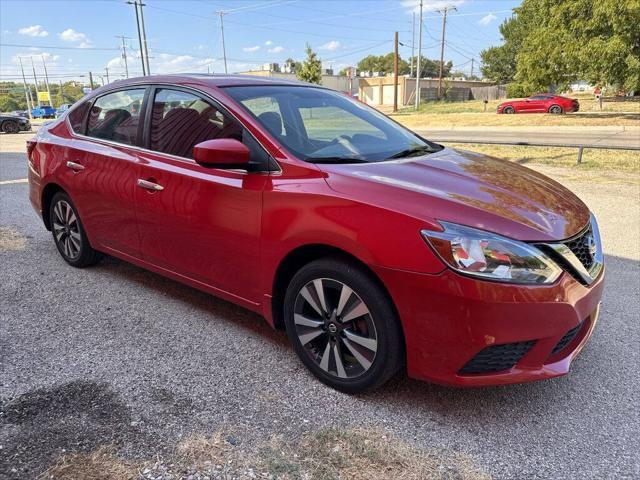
(114, 354)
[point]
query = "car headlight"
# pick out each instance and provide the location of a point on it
(491, 256)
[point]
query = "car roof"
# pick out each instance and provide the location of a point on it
(212, 80)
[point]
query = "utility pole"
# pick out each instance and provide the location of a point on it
(418, 69)
(35, 79)
(472, 60)
(90, 80)
(144, 37)
(27, 91)
(124, 54)
(444, 27)
(106, 69)
(61, 94)
(144, 68)
(224, 51)
(46, 81)
(395, 74)
(413, 43)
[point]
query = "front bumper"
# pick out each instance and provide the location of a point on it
(450, 320)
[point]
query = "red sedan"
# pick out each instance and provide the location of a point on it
(541, 103)
(374, 248)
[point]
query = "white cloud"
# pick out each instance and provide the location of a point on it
(277, 49)
(331, 46)
(487, 19)
(251, 49)
(70, 35)
(33, 31)
(268, 43)
(429, 5)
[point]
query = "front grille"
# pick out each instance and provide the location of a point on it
(580, 247)
(564, 341)
(497, 358)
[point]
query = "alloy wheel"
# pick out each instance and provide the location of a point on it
(67, 230)
(335, 328)
(555, 109)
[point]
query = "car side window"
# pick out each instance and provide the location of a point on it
(180, 120)
(77, 117)
(116, 116)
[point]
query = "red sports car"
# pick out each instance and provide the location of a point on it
(373, 247)
(540, 103)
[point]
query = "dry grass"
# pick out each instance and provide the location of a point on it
(101, 464)
(11, 240)
(472, 113)
(324, 455)
(363, 455)
(602, 160)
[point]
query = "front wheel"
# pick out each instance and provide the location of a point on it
(342, 326)
(68, 233)
(509, 110)
(10, 126)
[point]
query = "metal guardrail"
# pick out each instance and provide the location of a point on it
(580, 147)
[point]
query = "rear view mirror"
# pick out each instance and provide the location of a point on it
(222, 153)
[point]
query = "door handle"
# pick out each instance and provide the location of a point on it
(147, 185)
(76, 167)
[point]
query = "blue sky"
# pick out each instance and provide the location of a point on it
(184, 36)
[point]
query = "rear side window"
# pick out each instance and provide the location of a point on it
(116, 116)
(181, 120)
(77, 117)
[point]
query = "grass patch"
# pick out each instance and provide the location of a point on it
(101, 464)
(611, 160)
(329, 454)
(472, 113)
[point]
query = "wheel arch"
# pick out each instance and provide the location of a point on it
(47, 195)
(301, 256)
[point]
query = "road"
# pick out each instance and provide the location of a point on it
(115, 354)
(612, 136)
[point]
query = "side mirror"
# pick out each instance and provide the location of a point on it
(222, 153)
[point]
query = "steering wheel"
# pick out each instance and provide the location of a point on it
(345, 141)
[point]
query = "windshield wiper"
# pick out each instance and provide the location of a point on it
(412, 152)
(335, 160)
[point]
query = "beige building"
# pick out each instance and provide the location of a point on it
(335, 82)
(379, 90)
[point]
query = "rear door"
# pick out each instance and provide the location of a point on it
(101, 169)
(201, 223)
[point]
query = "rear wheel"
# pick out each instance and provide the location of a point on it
(342, 326)
(555, 109)
(9, 126)
(68, 233)
(508, 110)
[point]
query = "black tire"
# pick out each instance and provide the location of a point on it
(68, 233)
(380, 321)
(508, 110)
(555, 109)
(9, 126)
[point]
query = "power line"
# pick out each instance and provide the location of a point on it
(51, 47)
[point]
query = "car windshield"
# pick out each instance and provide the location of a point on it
(323, 126)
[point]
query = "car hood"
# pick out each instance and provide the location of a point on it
(469, 189)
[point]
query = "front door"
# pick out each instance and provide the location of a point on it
(101, 171)
(198, 222)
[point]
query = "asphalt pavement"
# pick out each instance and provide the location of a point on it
(609, 136)
(117, 355)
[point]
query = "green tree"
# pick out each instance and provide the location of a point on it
(383, 64)
(548, 44)
(431, 68)
(311, 69)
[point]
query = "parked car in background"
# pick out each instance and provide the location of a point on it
(21, 113)
(373, 247)
(63, 108)
(540, 103)
(10, 123)
(43, 111)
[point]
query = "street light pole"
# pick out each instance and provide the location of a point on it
(46, 81)
(135, 5)
(27, 90)
(418, 68)
(224, 51)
